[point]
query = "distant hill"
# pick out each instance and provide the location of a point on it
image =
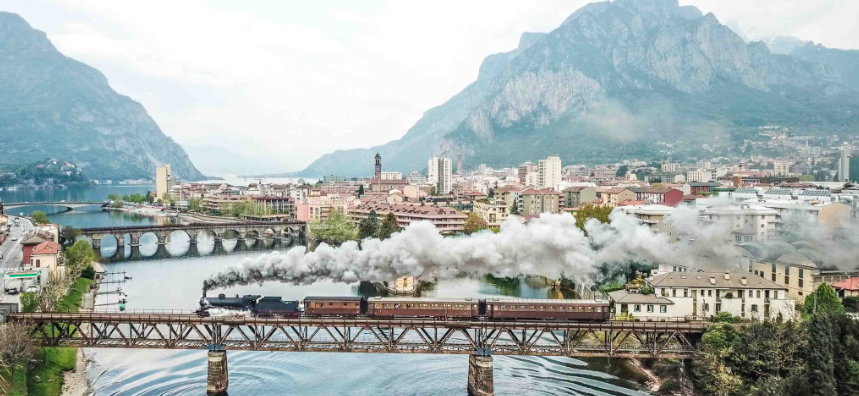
(54, 106)
(627, 79)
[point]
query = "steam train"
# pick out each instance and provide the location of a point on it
(397, 307)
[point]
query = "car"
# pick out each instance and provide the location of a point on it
(32, 289)
(14, 238)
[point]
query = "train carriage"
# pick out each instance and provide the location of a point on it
(423, 307)
(268, 307)
(547, 309)
(335, 306)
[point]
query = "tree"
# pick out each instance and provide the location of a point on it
(514, 210)
(389, 227)
(78, 256)
(335, 229)
(360, 190)
(195, 204)
(112, 197)
(473, 223)
(52, 291)
(851, 304)
(824, 300)
(39, 217)
(621, 171)
(69, 233)
(821, 365)
(16, 345)
(434, 191)
(29, 302)
(806, 178)
(368, 226)
(591, 211)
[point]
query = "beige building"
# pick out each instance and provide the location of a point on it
(163, 182)
(49, 256)
(534, 202)
(318, 208)
(578, 196)
(614, 196)
(651, 215)
(492, 211)
(440, 173)
(792, 271)
(748, 223)
(446, 220)
(549, 172)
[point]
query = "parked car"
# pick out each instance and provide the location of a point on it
(32, 289)
(13, 287)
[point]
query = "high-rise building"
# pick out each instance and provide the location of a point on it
(525, 169)
(378, 174)
(550, 172)
(440, 170)
(781, 167)
(163, 182)
(459, 164)
(844, 164)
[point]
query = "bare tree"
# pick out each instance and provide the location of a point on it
(52, 291)
(16, 346)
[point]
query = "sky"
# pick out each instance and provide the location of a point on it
(288, 81)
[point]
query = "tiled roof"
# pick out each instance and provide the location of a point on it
(847, 284)
(615, 190)
(47, 248)
(625, 297)
(651, 190)
(702, 279)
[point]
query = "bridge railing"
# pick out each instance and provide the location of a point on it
(189, 225)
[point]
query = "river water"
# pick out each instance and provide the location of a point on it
(166, 282)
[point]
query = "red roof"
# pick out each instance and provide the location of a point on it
(47, 248)
(847, 284)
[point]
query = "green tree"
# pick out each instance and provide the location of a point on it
(473, 223)
(360, 191)
(368, 226)
(434, 191)
(824, 300)
(195, 204)
(621, 171)
(820, 370)
(336, 229)
(389, 227)
(591, 211)
(29, 302)
(69, 234)
(112, 197)
(39, 217)
(78, 256)
(514, 210)
(806, 178)
(851, 304)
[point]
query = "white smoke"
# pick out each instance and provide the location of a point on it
(550, 245)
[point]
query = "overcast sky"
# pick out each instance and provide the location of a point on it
(292, 80)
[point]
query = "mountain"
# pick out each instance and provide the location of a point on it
(628, 78)
(411, 151)
(845, 62)
(784, 44)
(54, 106)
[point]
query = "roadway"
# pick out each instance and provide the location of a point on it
(11, 248)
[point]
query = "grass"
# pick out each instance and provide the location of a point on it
(52, 362)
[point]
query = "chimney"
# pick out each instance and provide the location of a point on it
(712, 280)
(743, 281)
(727, 276)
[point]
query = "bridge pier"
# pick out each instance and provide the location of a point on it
(162, 238)
(120, 242)
(135, 240)
(218, 377)
(96, 244)
(480, 381)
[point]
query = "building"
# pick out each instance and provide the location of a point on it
(416, 178)
(615, 196)
(377, 174)
(318, 208)
(702, 187)
(550, 172)
(847, 288)
(781, 167)
(698, 176)
(386, 186)
(844, 164)
(701, 295)
(47, 255)
(652, 216)
(441, 174)
(748, 223)
(342, 187)
(578, 196)
(535, 202)
(392, 175)
(446, 220)
(670, 167)
(163, 182)
(333, 178)
(792, 271)
(459, 164)
(492, 211)
(665, 196)
(646, 307)
(524, 170)
(30, 243)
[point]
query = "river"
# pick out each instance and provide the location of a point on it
(175, 283)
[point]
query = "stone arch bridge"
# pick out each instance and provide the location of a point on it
(244, 230)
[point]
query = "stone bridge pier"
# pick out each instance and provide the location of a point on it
(218, 376)
(480, 380)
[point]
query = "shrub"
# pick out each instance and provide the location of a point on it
(88, 272)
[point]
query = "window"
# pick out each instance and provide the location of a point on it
(590, 309)
(685, 292)
(649, 307)
(673, 292)
(38, 263)
(754, 308)
(637, 308)
(741, 293)
(773, 268)
(718, 307)
(800, 282)
(787, 280)
(801, 272)
(663, 292)
(709, 293)
(775, 294)
(706, 307)
(623, 308)
(718, 293)
(663, 309)
(773, 277)
(758, 294)
(766, 294)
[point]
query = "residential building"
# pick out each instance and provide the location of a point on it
(645, 307)
(792, 271)
(652, 216)
(844, 164)
(333, 178)
(342, 187)
(46, 255)
(387, 185)
(318, 208)
(748, 223)
(847, 288)
(219, 202)
(492, 211)
(392, 175)
(163, 182)
(700, 295)
(30, 243)
(416, 178)
(525, 169)
(578, 195)
(698, 176)
(781, 167)
(549, 172)
(446, 220)
(665, 196)
(614, 196)
(532, 179)
(534, 202)
(441, 174)
(670, 167)
(702, 187)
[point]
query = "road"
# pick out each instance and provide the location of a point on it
(11, 250)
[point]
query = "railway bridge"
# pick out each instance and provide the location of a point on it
(480, 339)
(243, 230)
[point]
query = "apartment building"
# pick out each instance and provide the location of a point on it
(578, 195)
(670, 167)
(792, 271)
(549, 172)
(446, 220)
(492, 211)
(163, 181)
(665, 196)
(652, 216)
(525, 169)
(748, 223)
(440, 173)
(614, 196)
(391, 175)
(318, 208)
(534, 202)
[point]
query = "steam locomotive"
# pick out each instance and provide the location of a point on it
(397, 307)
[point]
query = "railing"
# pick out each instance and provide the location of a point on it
(190, 225)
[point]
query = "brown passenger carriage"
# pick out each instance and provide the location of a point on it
(423, 307)
(335, 306)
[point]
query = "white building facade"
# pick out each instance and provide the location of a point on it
(549, 172)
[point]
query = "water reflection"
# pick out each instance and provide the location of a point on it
(179, 245)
